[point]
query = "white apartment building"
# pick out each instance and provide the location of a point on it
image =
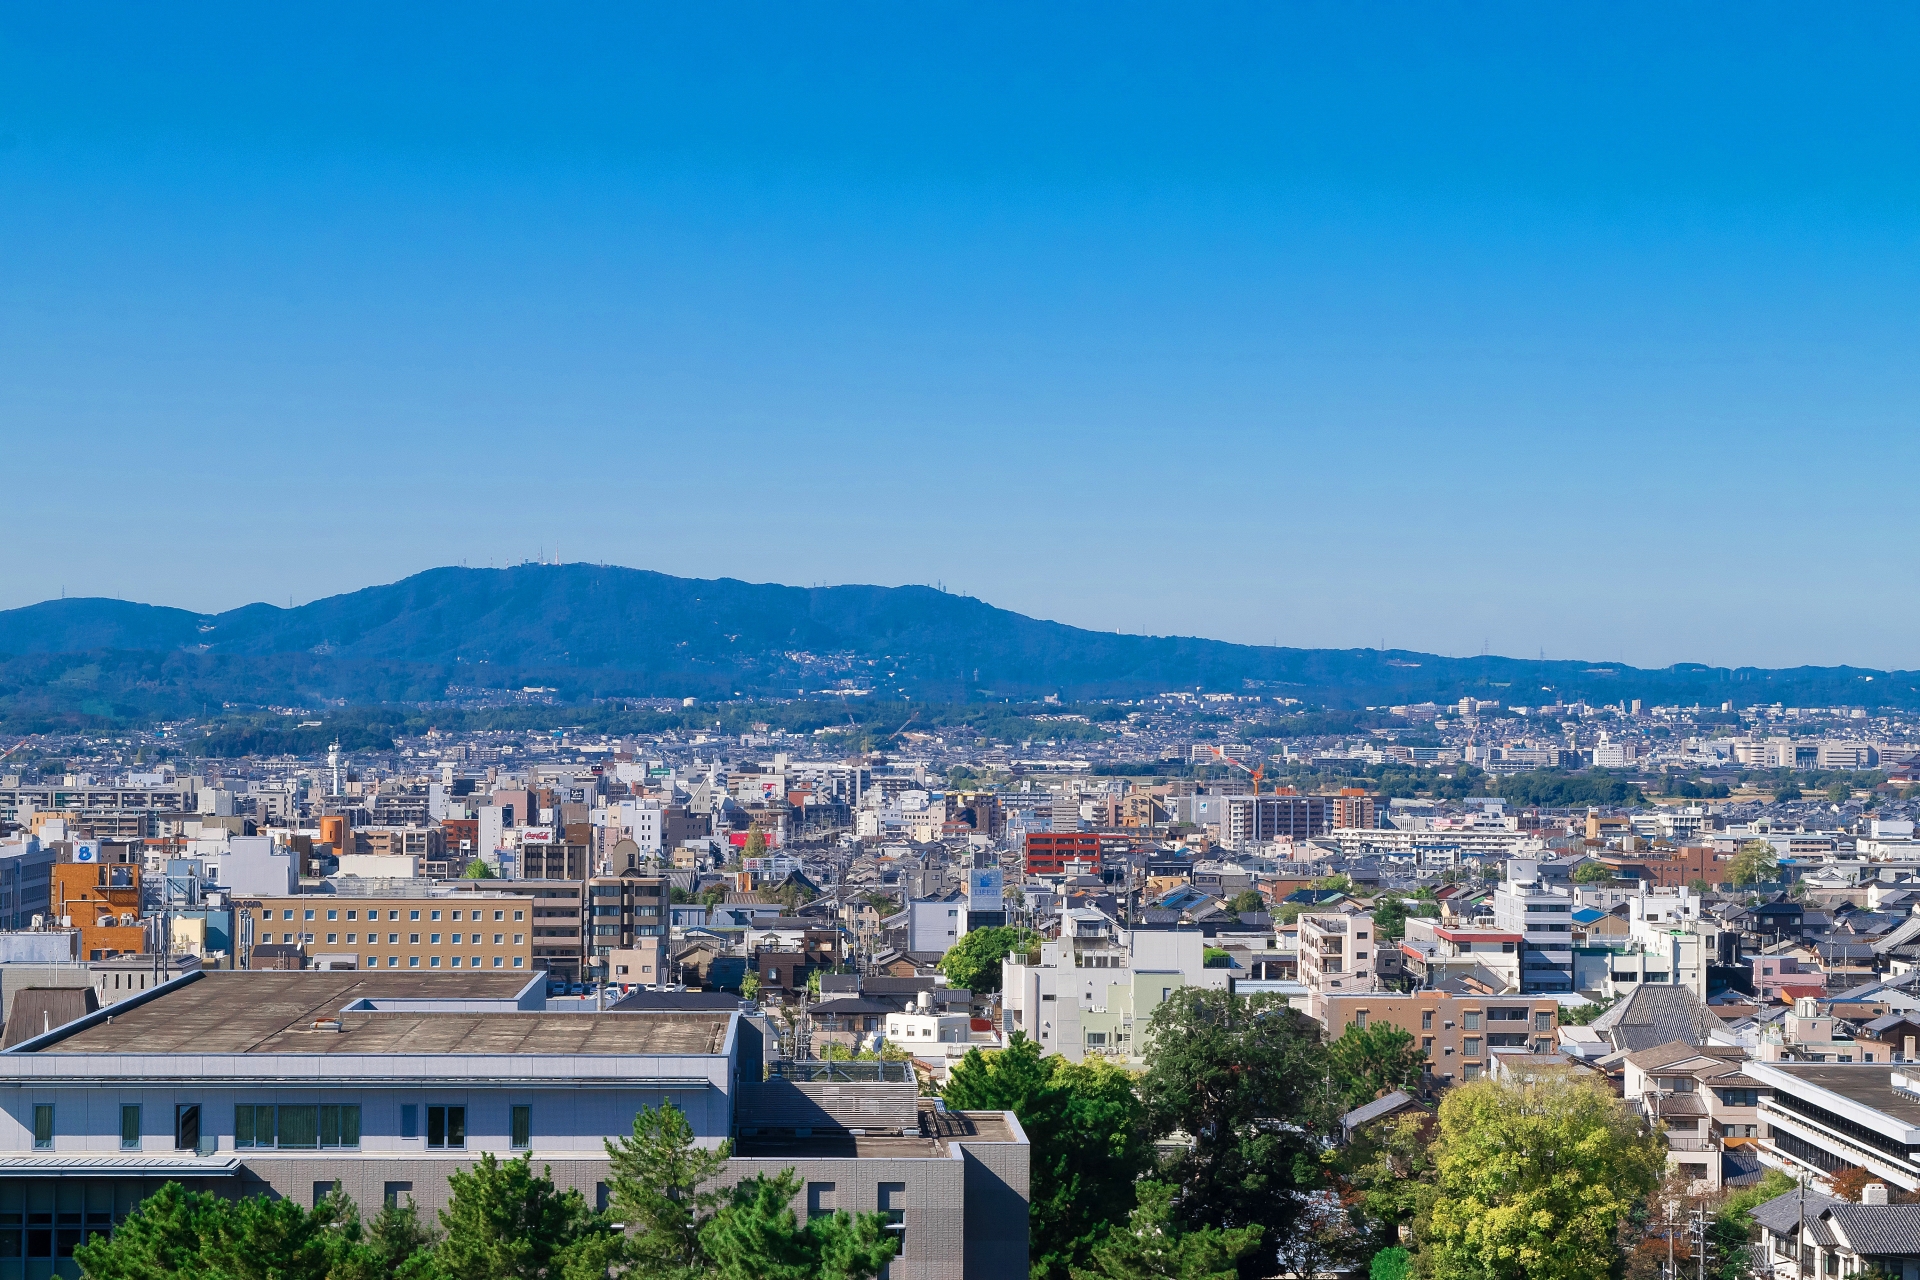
(1544, 918)
(1338, 953)
(1095, 989)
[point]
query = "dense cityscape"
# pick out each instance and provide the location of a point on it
(1695, 910)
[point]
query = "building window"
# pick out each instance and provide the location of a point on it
(1470, 1020)
(186, 1127)
(821, 1200)
(296, 1128)
(43, 1126)
(446, 1126)
(1543, 1022)
(395, 1191)
(130, 1126)
(1471, 1071)
(520, 1127)
(1426, 1019)
(1470, 1047)
(893, 1204)
(333, 915)
(1360, 1020)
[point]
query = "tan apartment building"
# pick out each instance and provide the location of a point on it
(558, 920)
(465, 931)
(1459, 1034)
(1337, 953)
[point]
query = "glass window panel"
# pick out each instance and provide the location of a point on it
(521, 1136)
(130, 1126)
(243, 1125)
(299, 1127)
(350, 1126)
(456, 1126)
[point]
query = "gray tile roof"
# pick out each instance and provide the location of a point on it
(1878, 1228)
(1653, 1015)
(1360, 1117)
(1781, 1215)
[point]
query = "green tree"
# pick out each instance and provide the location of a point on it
(177, 1234)
(1534, 1179)
(1387, 1172)
(1390, 918)
(1391, 1264)
(756, 846)
(1246, 902)
(750, 985)
(1242, 1078)
(1581, 1015)
(505, 1222)
(477, 870)
(973, 963)
(1755, 862)
(1088, 1146)
(655, 1178)
(1592, 873)
(755, 1235)
(1154, 1245)
(1367, 1063)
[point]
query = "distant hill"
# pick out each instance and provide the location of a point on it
(598, 631)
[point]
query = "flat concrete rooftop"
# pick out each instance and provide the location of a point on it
(937, 1129)
(270, 1011)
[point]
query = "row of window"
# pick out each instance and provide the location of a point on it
(297, 1127)
(1470, 1019)
(372, 915)
(413, 939)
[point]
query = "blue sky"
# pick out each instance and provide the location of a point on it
(1578, 329)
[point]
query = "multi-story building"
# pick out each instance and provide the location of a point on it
(428, 928)
(627, 912)
(1094, 990)
(102, 901)
(1352, 808)
(26, 882)
(1702, 1099)
(558, 920)
(1829, 1118)
(290, 1083)
(1524, 905)
(1049, 852)
(1337, 953)
(1459, 1034)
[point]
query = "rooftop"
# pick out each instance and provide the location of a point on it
(296, 1012)
(937, 1129)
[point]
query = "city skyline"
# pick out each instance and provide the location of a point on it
(1505, 332)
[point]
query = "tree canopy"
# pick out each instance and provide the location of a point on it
(974, 962)
(1368, 1063)
(1088, 1142)
(1534, 1179)
(1244, 1080)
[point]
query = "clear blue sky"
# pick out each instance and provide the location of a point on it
(1584, 328)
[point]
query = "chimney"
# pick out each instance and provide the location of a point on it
(1874, 1193)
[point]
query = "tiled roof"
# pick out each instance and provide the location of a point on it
(1877, 1228)
(1781, 1215)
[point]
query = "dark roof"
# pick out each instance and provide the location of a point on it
(1781, 1215)
(854, 1004)
(1878, 1228)
(675, 1002)
(1654, 1015)
(1378, 1109)
(38, 1010)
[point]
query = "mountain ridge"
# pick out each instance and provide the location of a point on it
(594, 631)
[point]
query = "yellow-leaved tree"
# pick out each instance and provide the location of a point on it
(1533, 1180)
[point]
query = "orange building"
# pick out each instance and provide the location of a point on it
(103, 902)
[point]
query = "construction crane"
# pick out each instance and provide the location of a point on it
(1255, 774)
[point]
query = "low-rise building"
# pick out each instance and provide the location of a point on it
(1459, 1034)
(426, 930)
